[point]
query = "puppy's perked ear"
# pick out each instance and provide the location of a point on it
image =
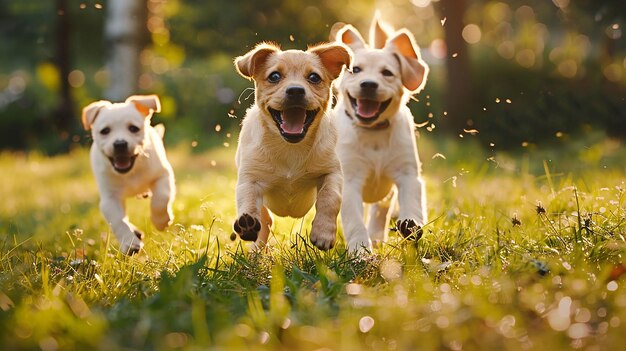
(332, 36)
(249, 64)
(145, 104)
(378, 34)
(333, 57)
(413, 69)
(90, 112)
(351, 37)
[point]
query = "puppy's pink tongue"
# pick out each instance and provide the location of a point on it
(367, 108)
(121, 162)
(293, 120)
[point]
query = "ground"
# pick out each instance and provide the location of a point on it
(524, 251)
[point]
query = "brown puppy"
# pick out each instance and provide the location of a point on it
(286, 157)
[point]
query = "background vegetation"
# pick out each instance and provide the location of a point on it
(516, 71)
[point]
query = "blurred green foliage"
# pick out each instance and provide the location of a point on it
(561, 64)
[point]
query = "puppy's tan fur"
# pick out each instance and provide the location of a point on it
(278, 168)
(128, 158)
(377, 147)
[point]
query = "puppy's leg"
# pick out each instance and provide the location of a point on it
(266, 224)
(249, 195)
(163, 192)
(327, 206)
(379, 216)
(113, 210)
(412, 200)
(264, 232)
(354, 230)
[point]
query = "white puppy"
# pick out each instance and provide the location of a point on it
(286, 158)
(376, 146)
(128, 159)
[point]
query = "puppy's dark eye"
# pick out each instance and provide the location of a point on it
(314, 78)
(356, 69)
(387, 73)
(274, 77)
(133, 129)
(105, 131)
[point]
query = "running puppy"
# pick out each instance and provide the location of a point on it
(128, 158)
(377, 147)
(286, 158)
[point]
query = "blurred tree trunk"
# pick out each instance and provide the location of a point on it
(125, 34)
(63, 115)
(458, 98)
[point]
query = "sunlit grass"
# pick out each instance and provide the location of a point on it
(523, 251)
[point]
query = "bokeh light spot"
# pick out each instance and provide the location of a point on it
(471, 33)
(366, 323)
(568, 68)
(438, 48)
(76, 78)
(613, 72)
(526, 58)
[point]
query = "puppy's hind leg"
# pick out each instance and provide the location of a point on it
(379, 216)
(354, 230)
(127, 234)
(266, 224)
(264, 232)
(163, 193)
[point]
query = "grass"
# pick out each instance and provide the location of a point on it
(523, 252)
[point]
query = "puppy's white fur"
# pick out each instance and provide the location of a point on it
(288, 177)
(139, 168)
(377, 147)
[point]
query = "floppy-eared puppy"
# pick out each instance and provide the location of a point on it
(286, 159)
(128, 158)
(376, 146)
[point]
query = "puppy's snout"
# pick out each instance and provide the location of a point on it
(369, 85)
(120, 146)
(295, 91)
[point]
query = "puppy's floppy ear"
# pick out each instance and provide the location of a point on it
(333, 57)
(378, 34)
(249, 64)
(413, 69)
(90, 112)
(351, 37)
(145, 104)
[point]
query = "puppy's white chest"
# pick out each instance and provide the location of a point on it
(375, 146)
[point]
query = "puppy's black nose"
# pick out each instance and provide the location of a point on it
(120, 145)
(369, 85)
(295, 91)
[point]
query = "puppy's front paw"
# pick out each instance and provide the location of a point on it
(247, 227)
(323, 235)
(409, 229)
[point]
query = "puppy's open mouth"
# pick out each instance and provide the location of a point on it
(293, 122)
(367, 111)
(122, 163)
